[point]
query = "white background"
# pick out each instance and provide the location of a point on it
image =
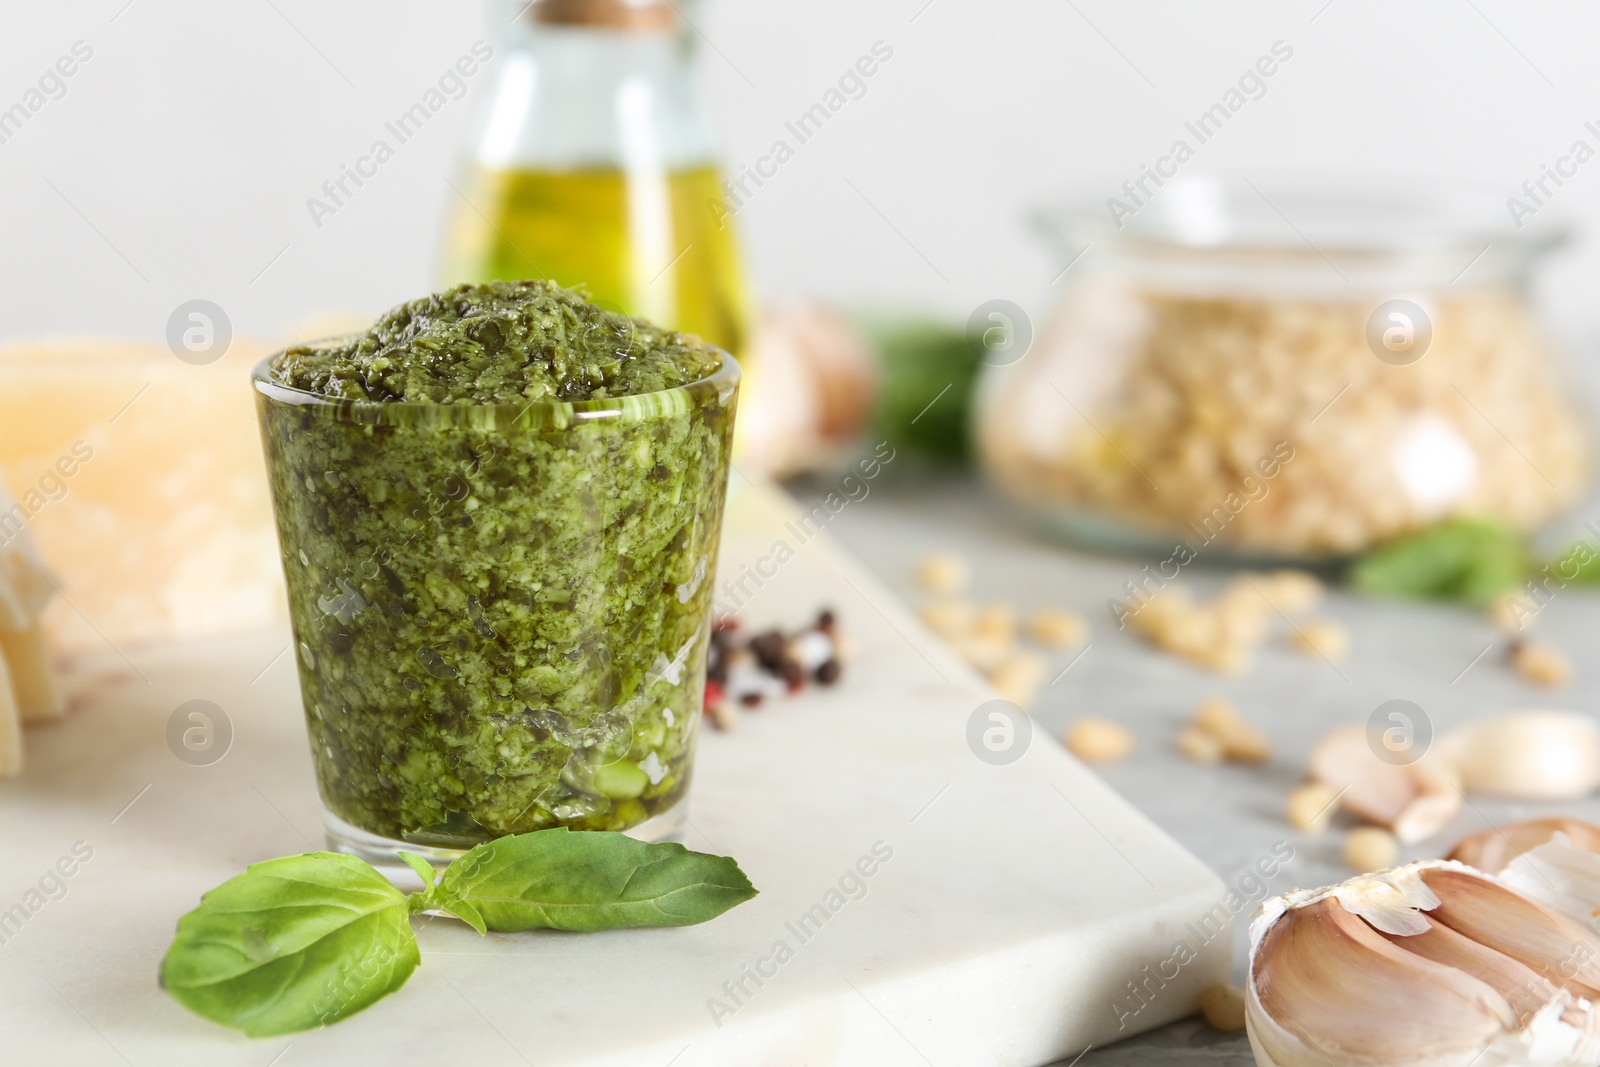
(192, 139)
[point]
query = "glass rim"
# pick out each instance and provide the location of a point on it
(546, 413)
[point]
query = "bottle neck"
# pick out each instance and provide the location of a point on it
(595, 83)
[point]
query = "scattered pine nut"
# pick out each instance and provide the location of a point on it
(1217, 715)
(1223, 1007)
(1055, 628)
(1245, 743)
(997, 622)
(1242, 616)
(1019, 677)
(1201, 747)
(1097, 740)
(725, 716)
(1542, 664)
(1201, 633)
(1290, 591)
(1371, 848)
(1222, 632)
(985, 655)
(1323, 637)
(1512, 614)
(1311, 806)
(949, 618)
(943, 572)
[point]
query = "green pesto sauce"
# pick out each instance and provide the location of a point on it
(500, 623)
(499, 343)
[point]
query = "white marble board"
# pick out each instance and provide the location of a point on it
(1017, 906)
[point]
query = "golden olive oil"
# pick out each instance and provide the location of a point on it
(656, 246)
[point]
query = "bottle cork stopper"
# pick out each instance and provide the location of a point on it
(634, 15)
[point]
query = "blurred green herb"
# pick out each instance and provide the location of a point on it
(1468, 560)
(929, 374)
(307, 940)
(1579, 565)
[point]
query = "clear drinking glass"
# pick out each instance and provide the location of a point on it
(1288, 371)
(500, 612)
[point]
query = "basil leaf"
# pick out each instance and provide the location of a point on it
(1467, 560)
(593, 880)
(291, 944)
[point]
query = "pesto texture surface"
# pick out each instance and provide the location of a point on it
(499, 343)
(500, 615)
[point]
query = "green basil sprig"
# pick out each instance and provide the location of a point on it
(305, 941)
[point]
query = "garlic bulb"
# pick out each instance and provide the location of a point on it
(811, 384)
(1414, 800)
(1434, 964)
(1527, 755)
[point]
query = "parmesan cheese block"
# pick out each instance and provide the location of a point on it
(32, 685)
(10, 727)
(140, 478)
(27, 692)
(25, 586)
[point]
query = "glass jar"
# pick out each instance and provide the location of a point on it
(500, 612)
(1301, 377)
(593, 167)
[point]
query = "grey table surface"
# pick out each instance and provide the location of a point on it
(1447, 660)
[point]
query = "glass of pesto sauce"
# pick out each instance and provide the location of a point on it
(499, 512)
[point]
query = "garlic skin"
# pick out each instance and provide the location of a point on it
(1527, 755)
(1492, 850)
(1433, 964)
(1556, 873)
(1555, 861)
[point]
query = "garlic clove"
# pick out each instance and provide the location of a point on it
(1414, 800)
(1492, 850)
(1372, 972)
(1503, 919)
(1522, 987)
(1527, 755)
(1369, 788)
(1426, 815)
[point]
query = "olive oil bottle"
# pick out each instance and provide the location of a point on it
(592, 166)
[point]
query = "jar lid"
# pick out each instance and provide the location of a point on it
(631, 15)
(1207, 211)
(1227, 234)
